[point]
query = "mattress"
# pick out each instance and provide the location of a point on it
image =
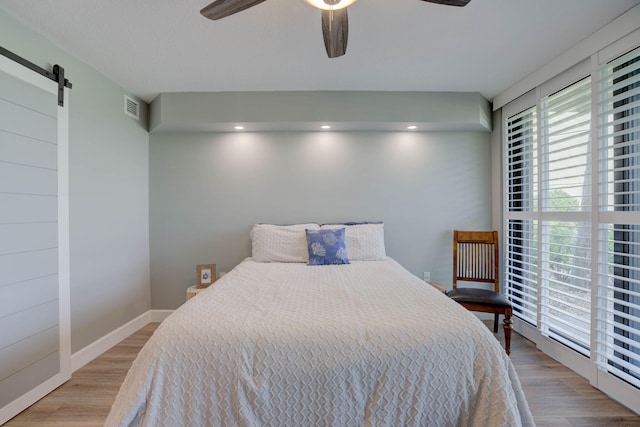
(286, 344)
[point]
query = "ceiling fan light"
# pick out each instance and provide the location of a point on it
(330, 4)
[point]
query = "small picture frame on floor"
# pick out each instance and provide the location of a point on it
(205, 275)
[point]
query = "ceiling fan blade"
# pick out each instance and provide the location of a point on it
(335, 30)
(460, 3)
(222, 8)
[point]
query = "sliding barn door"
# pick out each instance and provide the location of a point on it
(34, 260)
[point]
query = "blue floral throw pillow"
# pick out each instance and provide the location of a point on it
(327, 247)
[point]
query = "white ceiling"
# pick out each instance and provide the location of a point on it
(155, 46)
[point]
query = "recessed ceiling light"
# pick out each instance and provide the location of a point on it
(412, 127)
(238, 127)
(325, 127)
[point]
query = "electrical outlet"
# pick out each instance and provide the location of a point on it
(426, 276)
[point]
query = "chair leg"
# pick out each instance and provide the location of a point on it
(507, 332)
(495, 323)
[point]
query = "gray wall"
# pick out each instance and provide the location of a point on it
(208, 189)
(108, 193)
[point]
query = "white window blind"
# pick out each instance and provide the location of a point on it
(521, 250)
(572, 220)
(618, 285)
(521, 272)
(566, 283)
(565, 246)
(522, 161)
(566, 132)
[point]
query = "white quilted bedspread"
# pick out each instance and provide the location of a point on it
(365, 344)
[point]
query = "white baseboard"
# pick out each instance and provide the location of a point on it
(95, 349)
(159, 315)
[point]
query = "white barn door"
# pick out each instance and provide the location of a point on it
(34, 238)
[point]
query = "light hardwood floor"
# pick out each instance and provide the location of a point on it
(557, 396)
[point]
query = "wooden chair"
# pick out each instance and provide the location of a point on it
(476, 259)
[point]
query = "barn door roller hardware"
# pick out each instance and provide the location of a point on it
(57, 75)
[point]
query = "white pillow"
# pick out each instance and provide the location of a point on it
(364, 242)
(280, 243)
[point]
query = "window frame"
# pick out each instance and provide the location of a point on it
(585, 366)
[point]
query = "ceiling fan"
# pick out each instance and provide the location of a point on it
(335, 22)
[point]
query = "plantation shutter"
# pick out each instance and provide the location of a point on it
(571, 213)
(521, 266)
(618, 286)
(565, 186)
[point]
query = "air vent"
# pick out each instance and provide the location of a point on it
(131, 107)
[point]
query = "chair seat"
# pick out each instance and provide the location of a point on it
(478, 296)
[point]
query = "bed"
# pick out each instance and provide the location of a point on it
(277, 343)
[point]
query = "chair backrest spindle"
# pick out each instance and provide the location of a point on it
(475, 257)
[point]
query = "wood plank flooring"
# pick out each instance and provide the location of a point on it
(557, 396)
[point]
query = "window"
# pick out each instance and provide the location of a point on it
(565, 194)
(619, 280)
(522, 183)
(572, 216)
(548, 229)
